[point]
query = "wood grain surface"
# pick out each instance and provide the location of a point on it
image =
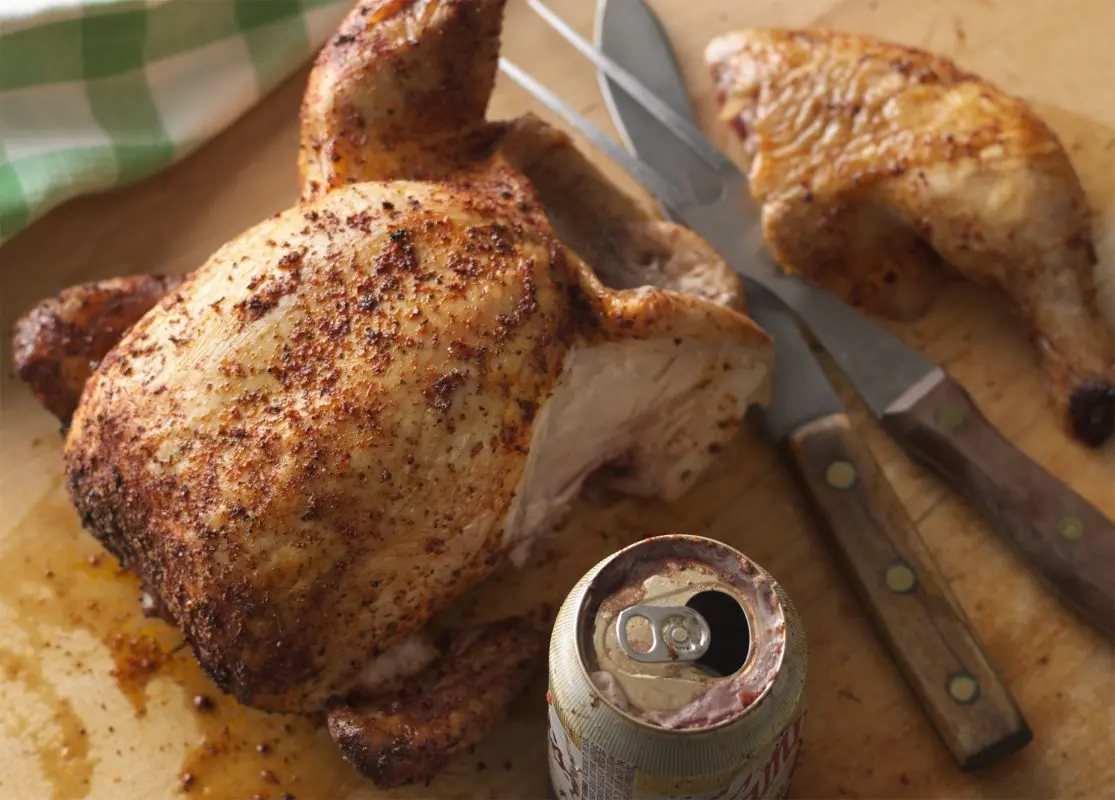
(1055, 532)
(97, 702)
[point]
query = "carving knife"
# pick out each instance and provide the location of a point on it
(909, 600)
(1055, 532)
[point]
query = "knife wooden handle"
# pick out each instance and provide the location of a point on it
(908, 598)
(1055, 531)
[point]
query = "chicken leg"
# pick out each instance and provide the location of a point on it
(361, 123)
(884, 171)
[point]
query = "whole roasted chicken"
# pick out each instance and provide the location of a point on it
(360, 407)
(885, 171)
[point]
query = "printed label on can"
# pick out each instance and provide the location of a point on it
(588, 773)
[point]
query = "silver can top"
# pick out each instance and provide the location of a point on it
(681, 632)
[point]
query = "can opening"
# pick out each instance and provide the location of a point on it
(731, 631)
(712, 591)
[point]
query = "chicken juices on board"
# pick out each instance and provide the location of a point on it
(359, 408)
(885, 171)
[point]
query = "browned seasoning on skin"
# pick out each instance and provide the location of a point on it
(250, 440)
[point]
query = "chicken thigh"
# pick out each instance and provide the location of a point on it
(359, 408)
(883, 171)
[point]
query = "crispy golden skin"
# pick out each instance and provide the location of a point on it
(59, 342)
(324, 429)
(400, 92)
(884, 171)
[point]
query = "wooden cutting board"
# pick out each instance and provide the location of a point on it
(97, 702)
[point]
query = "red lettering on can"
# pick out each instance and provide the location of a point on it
(784, 750)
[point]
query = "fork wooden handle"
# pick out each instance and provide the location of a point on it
(908, 598)
(1055, 531)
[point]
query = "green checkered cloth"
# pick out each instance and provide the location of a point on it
(101, 93)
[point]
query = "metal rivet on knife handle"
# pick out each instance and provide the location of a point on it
(1071, 528)
(901, 577)
(841, 475)
(950, 416)
(1058, 534)
(963, 688)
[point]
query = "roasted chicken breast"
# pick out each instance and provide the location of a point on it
(884, 170)
(354, 410)
(359, 408)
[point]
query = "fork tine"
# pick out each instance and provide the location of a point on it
(665, 190)
(678, 125)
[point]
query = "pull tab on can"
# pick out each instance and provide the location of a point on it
(678, 633)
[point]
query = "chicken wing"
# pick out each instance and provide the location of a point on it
(400, 92)
(883, 169)
(58, 344)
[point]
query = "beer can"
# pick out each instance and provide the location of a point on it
(677, 670)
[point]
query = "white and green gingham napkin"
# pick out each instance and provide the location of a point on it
(101, 93)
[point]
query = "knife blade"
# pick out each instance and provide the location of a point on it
(920, 621)
(1056, 533)
(800, 390)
